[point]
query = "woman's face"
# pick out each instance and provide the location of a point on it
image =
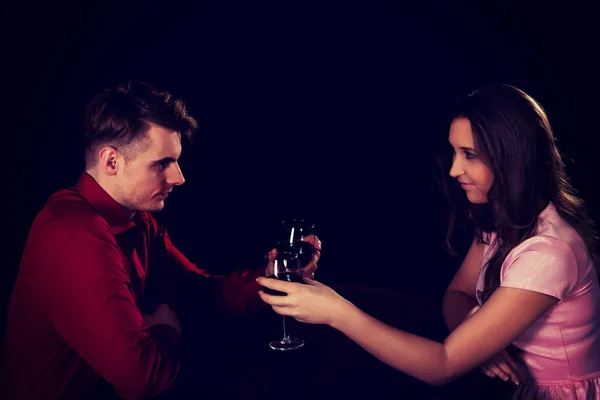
(474, 176)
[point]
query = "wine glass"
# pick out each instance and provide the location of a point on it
(287, 268)
(294, 232)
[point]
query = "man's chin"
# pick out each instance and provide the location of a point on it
(154, 207)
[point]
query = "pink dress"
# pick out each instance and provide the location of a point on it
(561, 350)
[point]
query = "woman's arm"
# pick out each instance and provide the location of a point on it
(459, 299)
(497, 323)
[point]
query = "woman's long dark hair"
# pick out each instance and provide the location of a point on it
(514, 139)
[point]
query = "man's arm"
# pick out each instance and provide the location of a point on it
(181, 283)
(173, 279)
(87, 297)
(237, 292)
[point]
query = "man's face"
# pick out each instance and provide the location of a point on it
(145, 181)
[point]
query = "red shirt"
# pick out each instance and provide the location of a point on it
(74, 312)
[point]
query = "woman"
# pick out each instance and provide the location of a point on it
(528, 279)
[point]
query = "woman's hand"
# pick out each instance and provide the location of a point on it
(313, 302)
(503, 366)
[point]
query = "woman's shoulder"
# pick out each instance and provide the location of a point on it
(544, 264)
(558, 232)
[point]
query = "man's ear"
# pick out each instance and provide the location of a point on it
(108, 160)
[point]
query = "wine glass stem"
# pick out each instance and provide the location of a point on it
(285, 335)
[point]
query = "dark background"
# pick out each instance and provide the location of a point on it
(331, 111)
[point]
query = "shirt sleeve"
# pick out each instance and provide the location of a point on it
(89, 302)
(237, 292)
(541, 264)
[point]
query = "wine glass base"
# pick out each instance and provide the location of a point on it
(286, 344)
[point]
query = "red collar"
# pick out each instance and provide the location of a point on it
(115, 214)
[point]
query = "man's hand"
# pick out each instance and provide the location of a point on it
(309, 270)
(162, 315)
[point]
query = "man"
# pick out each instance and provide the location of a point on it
(95, 256)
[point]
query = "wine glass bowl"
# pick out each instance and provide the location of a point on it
(286, 267)
(292, 254)
(294, 233)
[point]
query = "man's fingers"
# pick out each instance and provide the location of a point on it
(316, 256)
(312, 265)
(315, 241)
(309, 276)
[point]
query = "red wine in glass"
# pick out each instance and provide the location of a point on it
(305, 251)
(284, 276)
(294, 233)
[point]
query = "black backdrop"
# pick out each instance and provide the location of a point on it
(327, 110)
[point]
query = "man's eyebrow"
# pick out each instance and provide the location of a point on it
(164, 160)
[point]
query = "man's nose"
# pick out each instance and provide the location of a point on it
(175, 176)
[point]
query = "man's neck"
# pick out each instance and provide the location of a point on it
(108, 188)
